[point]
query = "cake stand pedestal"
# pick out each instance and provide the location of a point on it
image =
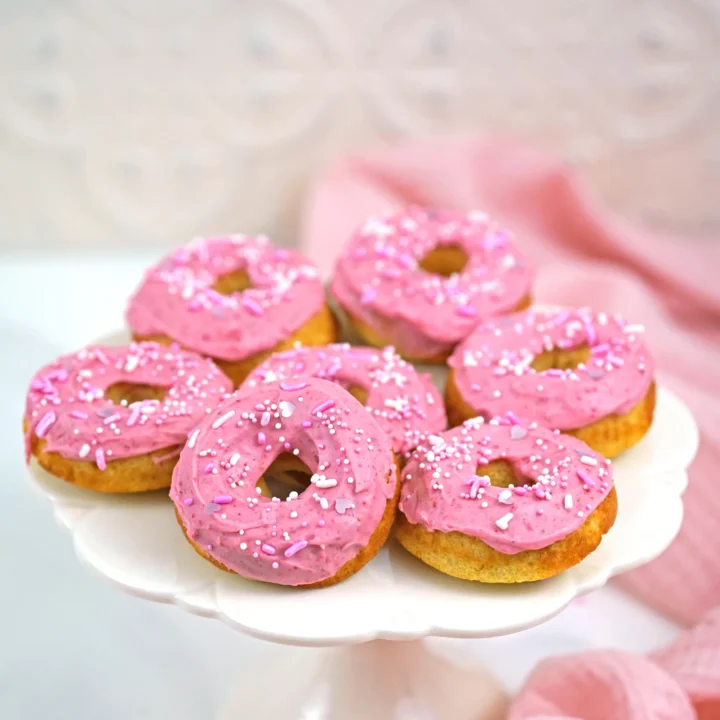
(364, 654)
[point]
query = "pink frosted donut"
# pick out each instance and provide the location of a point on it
(501, 501)
(595, 367)
(405, 403)
(317, 537)
(390, 299)
(81, 427)
(233, 299)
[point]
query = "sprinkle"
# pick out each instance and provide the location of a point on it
(306, 423)
(600, 349)
(505, 497)
(135, 415)
(112, 418)
(342, 504)
(37, 384)
(590, 332)
(235, 459)
(324, 503)
(323, 482)
(222, 499)
(368, 295)
(326, 405)
(286, 408)
(587, 460)
(252, 306)
(561, 317)
(211, 507)
(79, 415)
(265, 419)
(188, 501)
(193, 438)
(100, 459)
(261, 438)
(568, 502)
(585, 477)
(84, 450)
(630, 329)
(517, 432)
(595, 373)
(45, 423)
(293, 387)
(209, 467)
(555, 372)
(465, 311)
(296, 547)
(504, 521)
(222, 419)
(512, 417)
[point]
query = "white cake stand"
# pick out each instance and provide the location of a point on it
(135, 543)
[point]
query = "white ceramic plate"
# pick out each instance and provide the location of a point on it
(135, 543)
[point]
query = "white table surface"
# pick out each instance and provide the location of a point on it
(72, 646)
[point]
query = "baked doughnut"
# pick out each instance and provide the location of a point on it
(234, 299)
(422, 280)
(501, 502)
(585, 373)
(313, 538)
(404, 402)
(112, 419)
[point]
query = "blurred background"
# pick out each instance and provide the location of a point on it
(128, 127)
(136, 123)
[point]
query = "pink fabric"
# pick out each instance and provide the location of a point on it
(587, 256)
(681, 682)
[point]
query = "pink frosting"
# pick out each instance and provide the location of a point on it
(560, 482)
(66, 405)
(176, 297)
(493, 374)
(378, 278)
(295, 541)
(405, 403)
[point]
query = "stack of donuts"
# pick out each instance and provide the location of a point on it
(296, 436)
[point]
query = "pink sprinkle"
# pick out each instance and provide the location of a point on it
(498, 371)
(261, 438)
(37, 384)
(112, 418)
(268, 549)
(555, 372)
(539, 492)
(306, 423)
(79, 415)
(45, 423)
(600, 349)
(465, 311)
(390, 273)
(252, 306)
(135, 415)
(194, 305)
(561, 317)
(188, 501)
(590, 332)
(101, 356)
(585, 477)
(368, 295)
(292, 387)
(296, 547)
(512, 417)
(100, 459)
(61, 375)
(222, 499)
(616, 361)
(322, 407)
(209, 468)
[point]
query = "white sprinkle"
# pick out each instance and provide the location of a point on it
(504, 521)
(293, 514)
(235, 459)
(222, 420)
(323, 482)
(324, 503)
(628, 329)
(84, 450)
(587, 460)
(131, 363)
(506, 497)
(568, 502)
(430, 457)
(265, 419)
(193, 438)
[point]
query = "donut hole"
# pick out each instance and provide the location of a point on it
(286, 475)
(127, 393)
(358, 392)
(445, 260)
(233, 282)
(502, 474)
(561, 359)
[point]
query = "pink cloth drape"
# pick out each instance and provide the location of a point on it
(587, 256)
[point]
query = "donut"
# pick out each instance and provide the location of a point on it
(422, 280)
(112, 419)
(586, 373)
(405, 403)
(504, 501)
(312, 538)
(235, 299)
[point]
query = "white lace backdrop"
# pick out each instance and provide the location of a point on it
(130, 121)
